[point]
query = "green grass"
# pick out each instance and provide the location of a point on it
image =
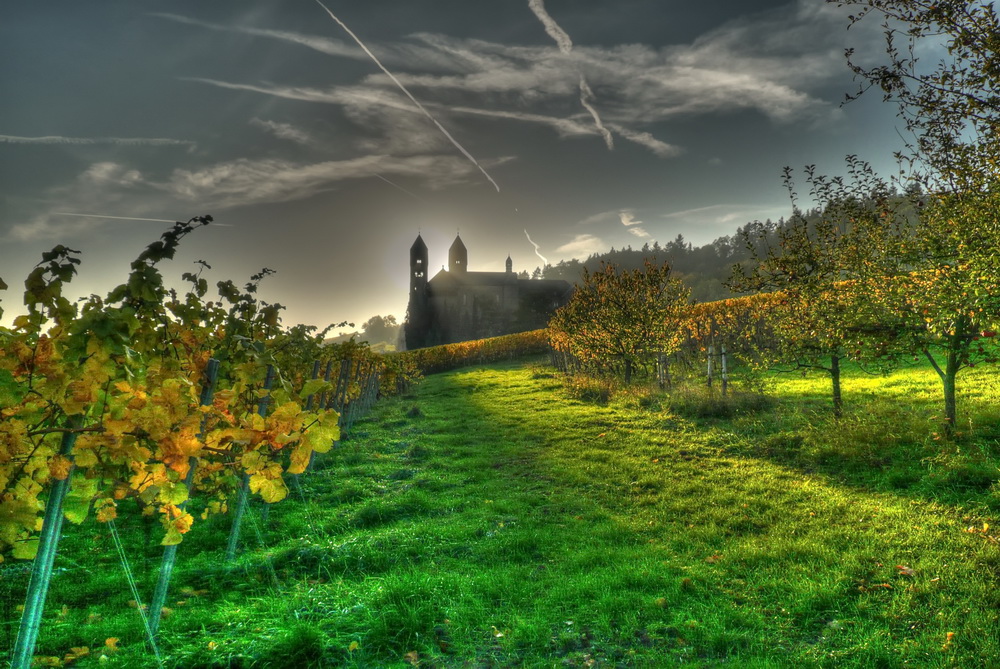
(493, 518)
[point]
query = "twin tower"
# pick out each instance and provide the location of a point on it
(459, 305)
(458, 263)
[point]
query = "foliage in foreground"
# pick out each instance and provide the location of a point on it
(106, 395)
(490, 519)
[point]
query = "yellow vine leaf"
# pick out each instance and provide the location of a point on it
(83, 452)
(299, 459)
(312, 387)
(26, 549)
(176, 526)
(107, 511)
(173, 493)
(76, 506)
(270, 490)
(16, 515)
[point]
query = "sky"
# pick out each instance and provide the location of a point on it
(323, 139)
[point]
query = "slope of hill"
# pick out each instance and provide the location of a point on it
(494, 518)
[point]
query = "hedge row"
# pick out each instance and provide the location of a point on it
(435, 359)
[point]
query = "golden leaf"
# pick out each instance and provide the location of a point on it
(59, 467)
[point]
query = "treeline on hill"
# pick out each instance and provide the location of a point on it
(705, 269)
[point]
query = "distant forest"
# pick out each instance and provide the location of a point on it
(704, 269)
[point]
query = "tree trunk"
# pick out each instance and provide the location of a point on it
(947, 376)
(948, 382)
(628, 371)
(838, 402)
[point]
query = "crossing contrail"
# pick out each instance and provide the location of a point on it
(409, 95)
(586, 95)
(565, 45)
(537, 253)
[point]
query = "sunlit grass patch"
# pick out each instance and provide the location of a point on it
(508, 522)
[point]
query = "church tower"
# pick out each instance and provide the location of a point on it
(458, 257)
(509, 265)
(417, 310)
(418, 266)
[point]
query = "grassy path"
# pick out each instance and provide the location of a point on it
(491, 520)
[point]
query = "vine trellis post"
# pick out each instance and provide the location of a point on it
(48, 542)
(244, 489)
(725, 371)
(170, 552)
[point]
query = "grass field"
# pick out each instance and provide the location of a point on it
(497, 517)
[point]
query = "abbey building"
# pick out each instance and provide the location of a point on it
(459, 305)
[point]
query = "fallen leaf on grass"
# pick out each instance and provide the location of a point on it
(905, 571)
(413, 658)
(76, 653)
(353, 647)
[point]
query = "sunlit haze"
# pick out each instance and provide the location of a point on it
(550, 129)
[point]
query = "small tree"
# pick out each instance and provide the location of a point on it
(946, 295)
(947, 291)
(622, 316)
(820, 266)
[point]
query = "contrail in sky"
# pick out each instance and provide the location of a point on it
(537, 253)
(551, 27)
(409, 95)
(127, 141)
(586, 95)
(566, 46)
(129, 218)
(398, 187)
